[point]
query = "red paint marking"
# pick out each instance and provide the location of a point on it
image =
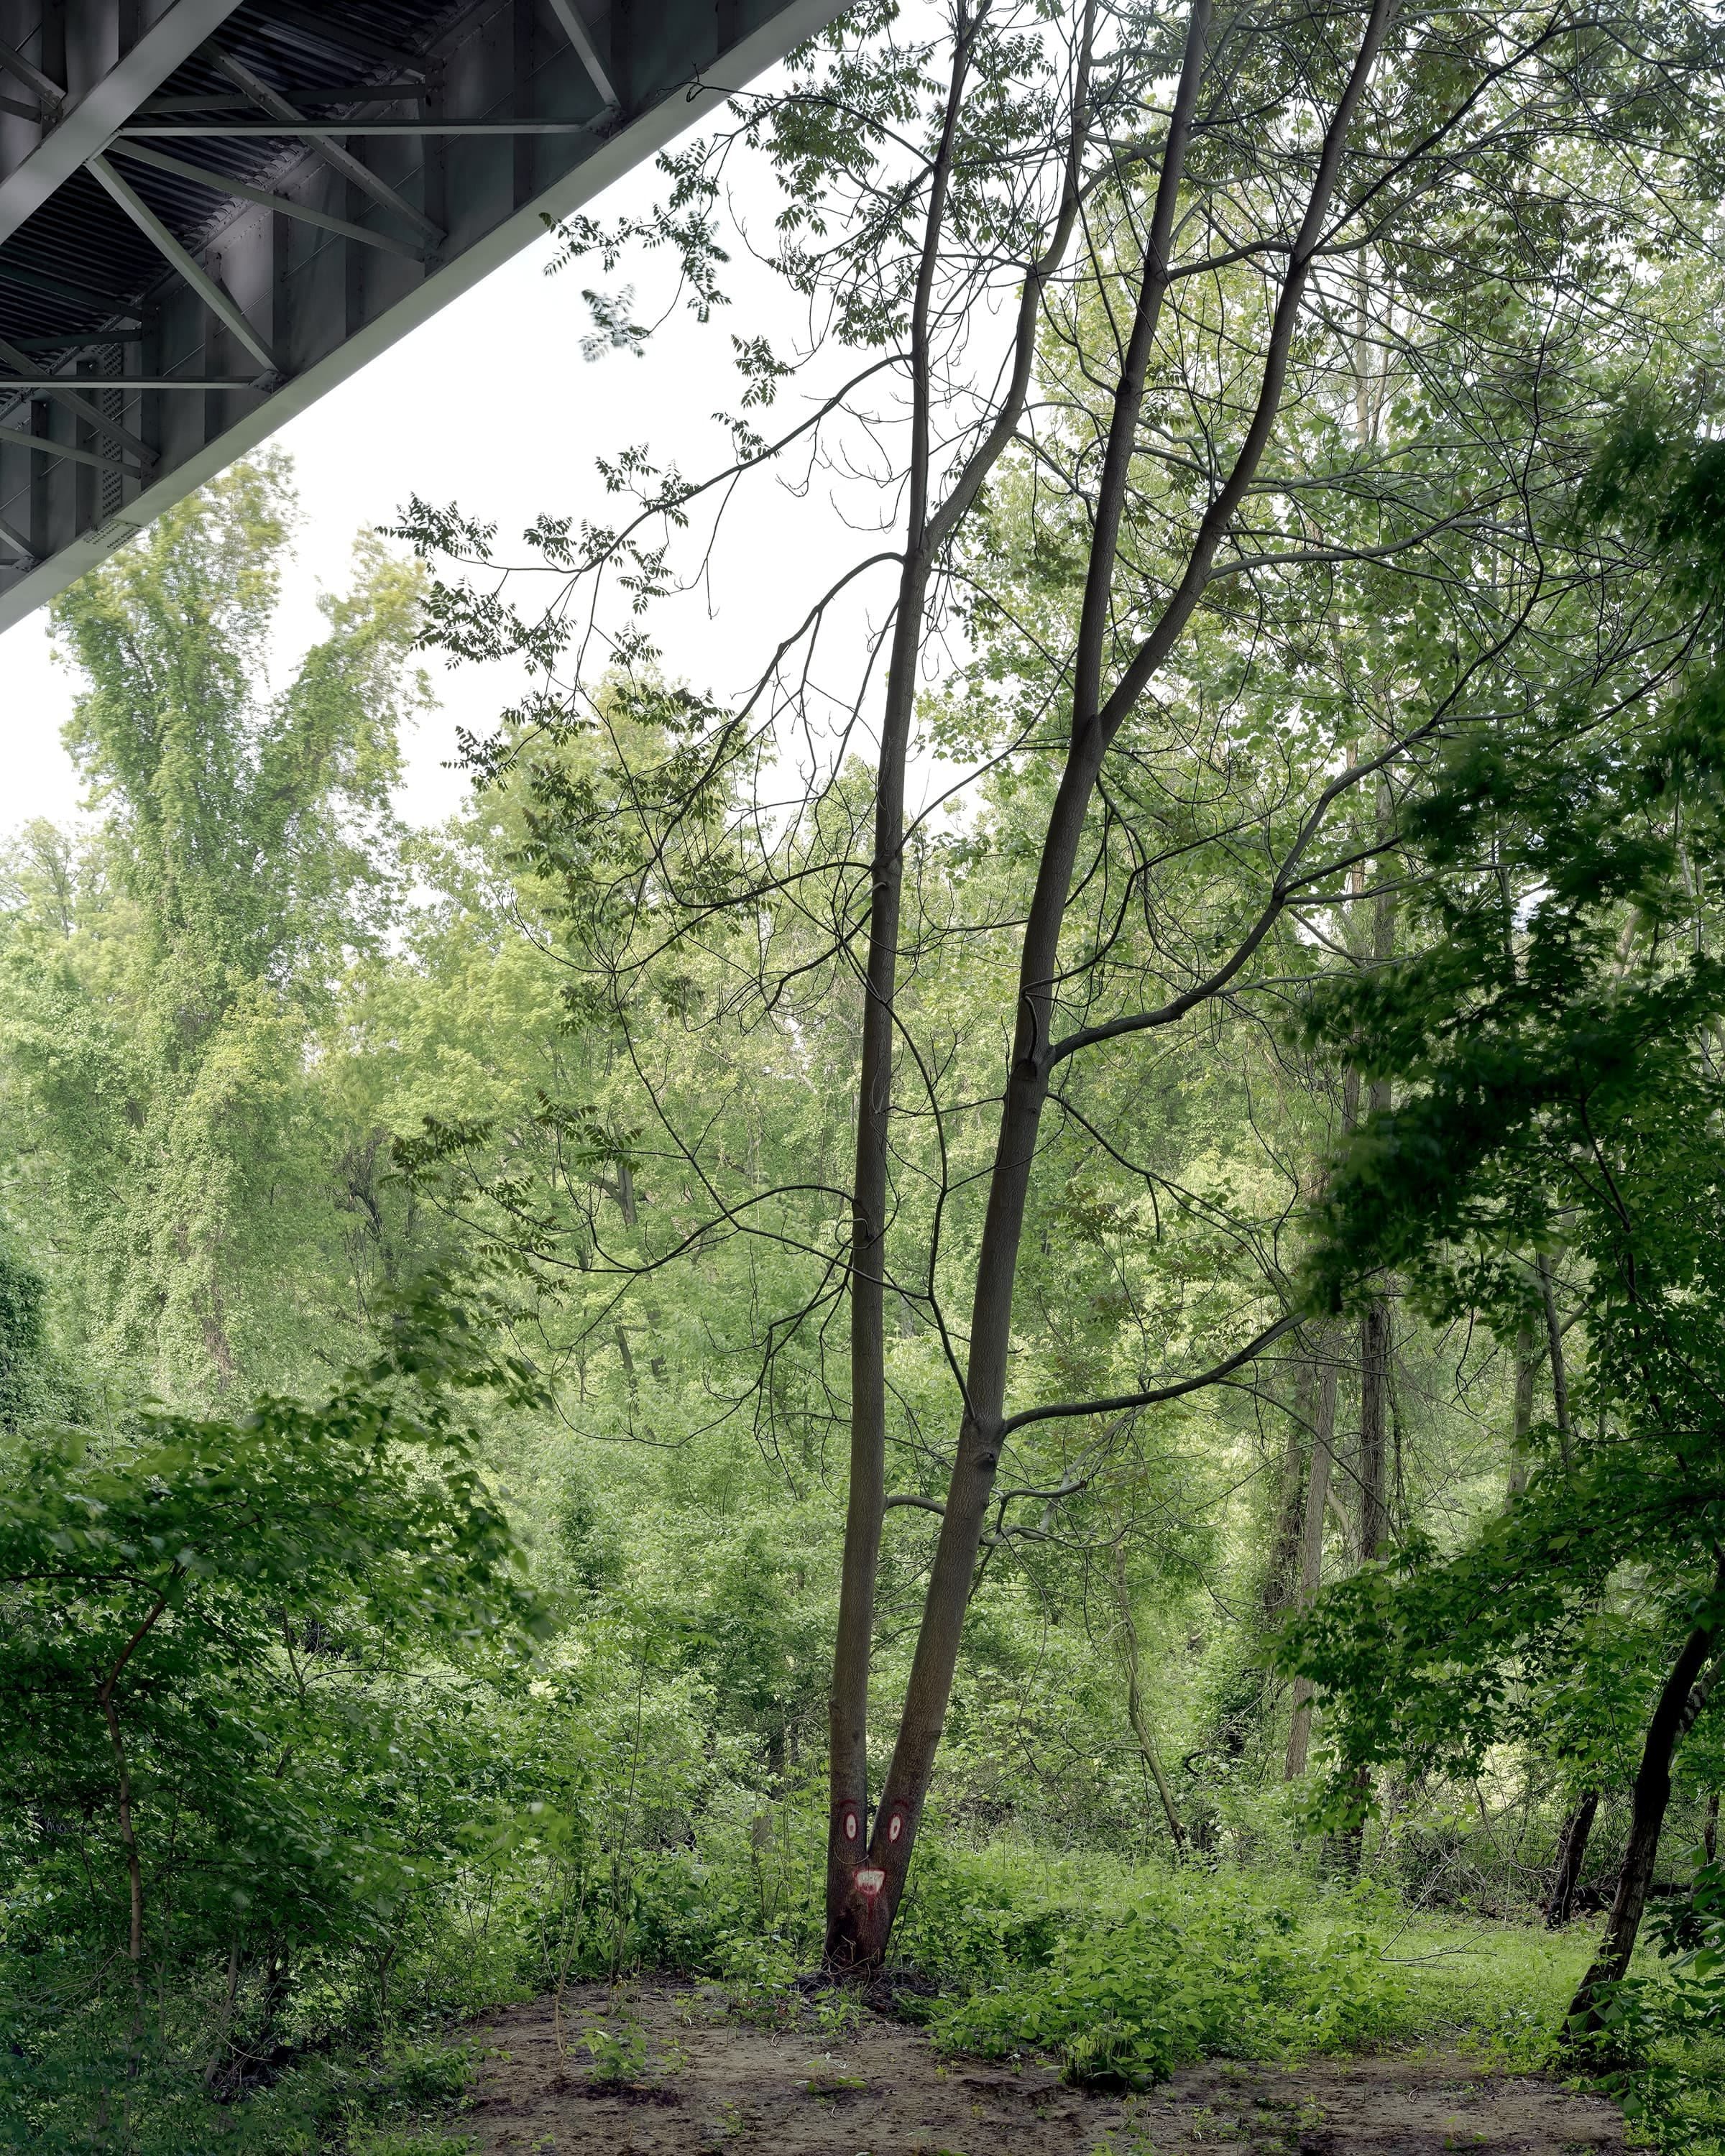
(869, 1880)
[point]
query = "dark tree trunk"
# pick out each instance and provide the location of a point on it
(927, 531)
(1572, 1854)
(1681, 1698)
(1374, 1347)
(1375, 1342)
(860, 1935)
(1311, 1539)
(1559, 1377)
(1282, 1574)
(1526, 1363)
(848, 1705)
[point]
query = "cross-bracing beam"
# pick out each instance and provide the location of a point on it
(206, 287)
(334, 215)
(225, 183)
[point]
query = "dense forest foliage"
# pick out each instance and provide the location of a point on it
(1106, 1391)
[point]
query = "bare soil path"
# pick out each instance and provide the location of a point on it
(702, 2083)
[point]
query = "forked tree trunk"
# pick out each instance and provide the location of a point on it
(1572, 1854)
(927, 531)
(847, 1708)
(1311, 1542)
(1681, 1700)
(865, 1922)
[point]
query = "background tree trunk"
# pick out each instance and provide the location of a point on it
(1376, 1343)
(1135, 1706)
(1374, 1351)
(1572, 1854)
(1525, 1364)
(1282, 1574)
(1311, 1540)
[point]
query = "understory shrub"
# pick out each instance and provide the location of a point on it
(1125, 1972)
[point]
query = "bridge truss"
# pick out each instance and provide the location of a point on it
(212, 211)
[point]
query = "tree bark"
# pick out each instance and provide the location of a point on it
(1375, 1344)
(1559, 1378)
(134, 1864)
(866, 1503)
(1681, 1698)
(122, 1770)
(225, 2027)
(1311, 1543)
(861, 1935)
(1374, 1349)
(1572, 1853)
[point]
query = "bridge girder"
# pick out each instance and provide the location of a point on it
(212, 211)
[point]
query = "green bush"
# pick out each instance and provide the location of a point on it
(1124, 1972)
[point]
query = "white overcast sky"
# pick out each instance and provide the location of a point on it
(491, 404)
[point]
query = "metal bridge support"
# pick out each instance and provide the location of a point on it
(212, 211)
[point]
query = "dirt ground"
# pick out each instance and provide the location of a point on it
(700, 2082)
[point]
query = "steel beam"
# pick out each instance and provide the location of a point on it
(129, 385)
(321, 132)
(276, 226)
(86, 126)
(44, 445)
(62, 390)
(207, 177)
(51, 93)
(352, 93)
(576, 31)
(363, 176)
(199, 279)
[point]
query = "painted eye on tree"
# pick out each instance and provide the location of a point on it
(895, 1830)
(850, 1826)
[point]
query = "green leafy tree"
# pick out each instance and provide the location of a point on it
(210, 1629)
(1553, 1157)
(166, 981)
(1269, 381)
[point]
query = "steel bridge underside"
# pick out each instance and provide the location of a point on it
(212, 211)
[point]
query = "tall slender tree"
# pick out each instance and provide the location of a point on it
(1185, 585)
